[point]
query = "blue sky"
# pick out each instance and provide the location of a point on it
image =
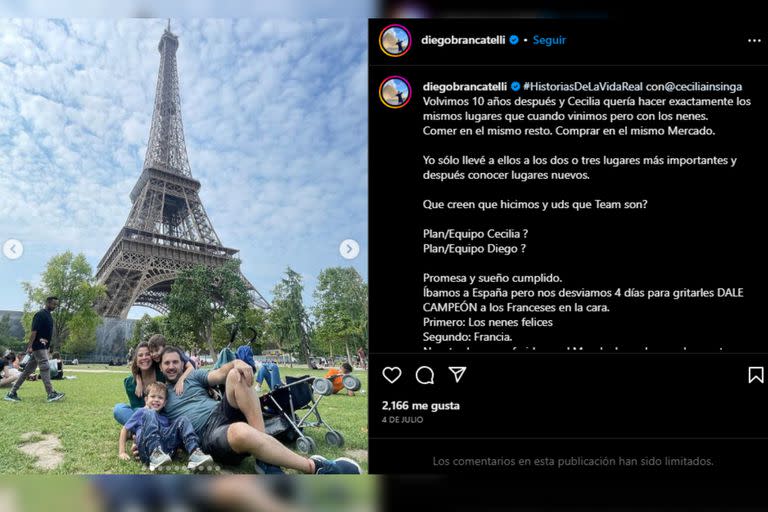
(275, 122)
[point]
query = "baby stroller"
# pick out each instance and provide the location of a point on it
(280, 407)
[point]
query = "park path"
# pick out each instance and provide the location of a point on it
(86, 370)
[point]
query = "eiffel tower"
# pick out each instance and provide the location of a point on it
(167, 230)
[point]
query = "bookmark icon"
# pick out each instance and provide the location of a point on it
(756, 373)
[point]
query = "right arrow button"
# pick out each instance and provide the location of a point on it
(349, 249)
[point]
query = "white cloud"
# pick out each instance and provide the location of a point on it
(135, 130)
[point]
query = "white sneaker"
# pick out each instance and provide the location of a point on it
(198, 459)
(158, 459)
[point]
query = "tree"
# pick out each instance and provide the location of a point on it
(202, 296)
(5, 327)
(341, 309)
(255, 319)
(69, 278)
(145, 327)
(288, 321)
(7, 340)
(82, 334)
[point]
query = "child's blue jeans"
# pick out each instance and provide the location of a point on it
(179, 433)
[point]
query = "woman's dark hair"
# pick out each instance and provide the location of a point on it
(134, 366)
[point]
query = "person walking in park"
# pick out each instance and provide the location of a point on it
(39, 343)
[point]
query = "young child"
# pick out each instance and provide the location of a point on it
(157, 438)
(156, 346)
(336, 377)
(8, 374)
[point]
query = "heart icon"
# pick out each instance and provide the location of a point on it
(392, 373)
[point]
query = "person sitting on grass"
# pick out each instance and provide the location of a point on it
(19, 365)
(157, 344)
(233, 428)
(262, 370)
(8, 374)
(11, 358)
(336, 376)
(156, 438)
(57, 366)
(144, 371)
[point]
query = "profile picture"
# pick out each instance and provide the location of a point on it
(395, 92)
(395, 40)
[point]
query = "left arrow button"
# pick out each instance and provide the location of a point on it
(13, 249)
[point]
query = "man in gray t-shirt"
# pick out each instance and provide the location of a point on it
(233, 428)
(195, 403)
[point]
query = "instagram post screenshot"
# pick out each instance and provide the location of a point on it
(564, 263)
(377, 256)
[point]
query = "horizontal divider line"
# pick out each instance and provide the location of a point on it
(604, 353)
(573, 438)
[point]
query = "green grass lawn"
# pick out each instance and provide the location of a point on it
(88, 433)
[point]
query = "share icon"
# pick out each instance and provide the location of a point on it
(458, 372)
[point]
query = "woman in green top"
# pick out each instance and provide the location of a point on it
(143, 372)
